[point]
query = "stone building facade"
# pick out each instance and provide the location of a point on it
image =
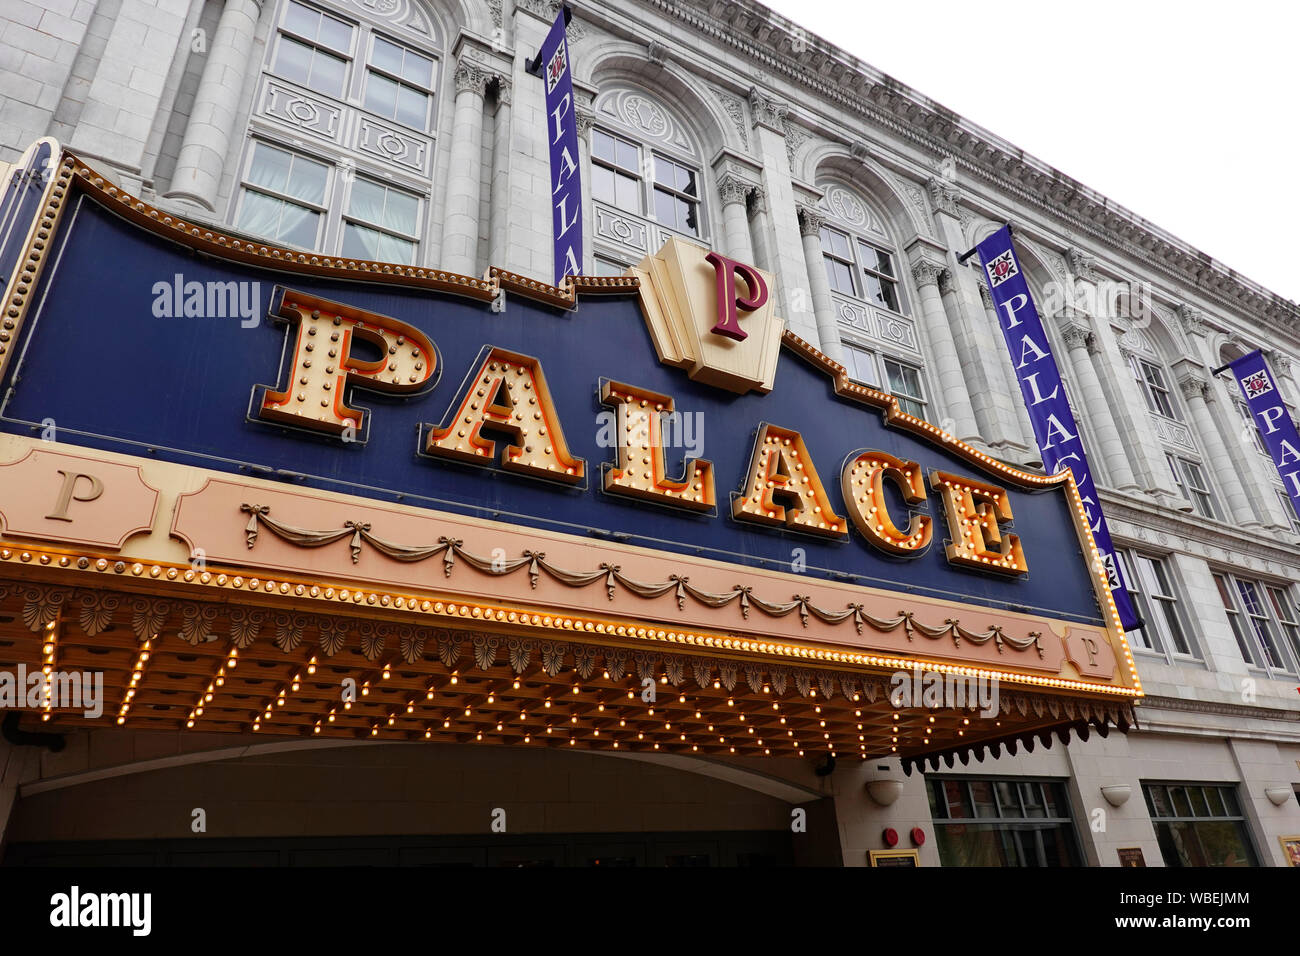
(409, 130)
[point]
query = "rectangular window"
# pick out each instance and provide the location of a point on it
(861, 366)
(1002, 822)
(616, 171)
(608, 267)
(1199, 824)
(676, 196)
(839, 261)
(905, 385)
(1285, 610)
(879, 282)
(283, 197)
(1191, 481)
(1260, 614)
(1151, 379)
(1152, 588)
(381, 223)
(399, 84)
(313, 49)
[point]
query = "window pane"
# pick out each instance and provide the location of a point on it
(293, 60)
(602, 145)
(840, 276)
(602, 183)
(270, 167)
(982, 793)
(402, 211)
(629, 193)
(362, 243)
(366, 201)
(958, 802)
(259, 214)
(387, 56)
(629, 157)
(301, 19)
(1178, 798)
(381, 95)
(412, 107)
(417, 69)
(307, 180)
(686, 181)
(335, 34)
(665, 172)
(327, 74)
(1008, 799)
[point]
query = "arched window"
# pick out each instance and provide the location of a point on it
(320, 172)
(646, 182)
(863, 271)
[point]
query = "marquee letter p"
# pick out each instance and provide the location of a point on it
(730, 302)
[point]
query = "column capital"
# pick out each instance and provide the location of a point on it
(756, 202)
(1076, 337)
(733, 188)
(504, 86)
(926, 272)
(1192, 320)
(471, 76)
(811, 220)
(1277, 361)
(985, 295)
(585, 120)
(1193, 383)
(768, 111)
(947, 282)
(944, 195)
(1081, 264)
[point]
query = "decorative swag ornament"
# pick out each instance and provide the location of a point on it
(452, 548)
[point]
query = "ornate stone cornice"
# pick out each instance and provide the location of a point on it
(944, 195)
(811, 220)
(1212, 543)
(1222, 709)
(767, 111)
(854, 85)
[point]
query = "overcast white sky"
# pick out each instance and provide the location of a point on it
(1187, 113)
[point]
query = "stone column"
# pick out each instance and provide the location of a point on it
(990, 394)
(464, 172)
(734, 194)
(1232, 496)
(586, 118)
(122, 102)
(211, 127)
(980, 389)
(1091, 402)
(499, 207)
(1023, 424)
(756, 210)
(952, 385)
(1255, 470)
(780, 223)
(828, 332)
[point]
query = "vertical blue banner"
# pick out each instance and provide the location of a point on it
(1055, 429)
(562, 135)
(1269, 411)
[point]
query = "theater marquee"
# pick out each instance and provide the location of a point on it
(624, 513)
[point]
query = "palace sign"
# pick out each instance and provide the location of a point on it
(561, 413)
